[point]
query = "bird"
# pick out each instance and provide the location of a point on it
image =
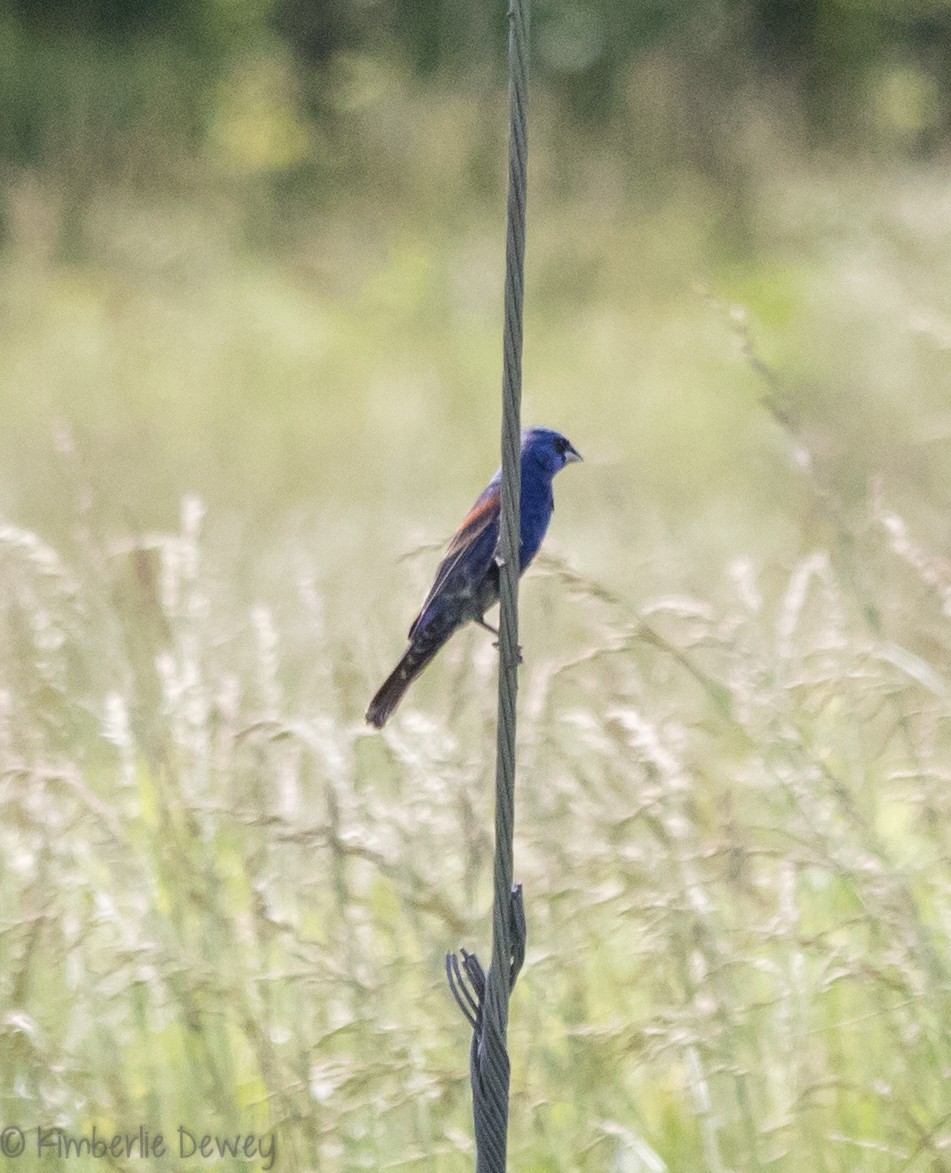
(467, 579)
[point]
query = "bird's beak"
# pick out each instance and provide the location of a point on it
(571, 455)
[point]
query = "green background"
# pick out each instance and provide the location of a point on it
(250, 350)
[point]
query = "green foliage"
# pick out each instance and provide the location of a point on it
(249, 358)
(226, 904)
(862, 72)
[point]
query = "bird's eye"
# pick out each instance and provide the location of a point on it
(561, 445)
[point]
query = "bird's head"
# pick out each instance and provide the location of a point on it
(549, 449)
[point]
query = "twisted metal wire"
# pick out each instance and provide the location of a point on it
(488, 1059)
(483, 998)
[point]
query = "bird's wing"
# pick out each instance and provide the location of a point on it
(469, 555)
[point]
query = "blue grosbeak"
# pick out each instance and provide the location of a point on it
(467, 581)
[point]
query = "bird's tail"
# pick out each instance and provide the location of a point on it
(390, 692)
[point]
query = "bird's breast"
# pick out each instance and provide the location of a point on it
(537, 505)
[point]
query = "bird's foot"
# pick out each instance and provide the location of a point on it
(518, 652)
(495, 643)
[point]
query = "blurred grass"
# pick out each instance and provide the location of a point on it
(227, 416)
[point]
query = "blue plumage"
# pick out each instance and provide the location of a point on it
(467, 580)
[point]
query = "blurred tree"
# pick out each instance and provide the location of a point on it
(879, 64)
(113, 19)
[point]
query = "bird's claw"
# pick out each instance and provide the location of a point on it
(518, 652)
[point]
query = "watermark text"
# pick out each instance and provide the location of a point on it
(142, 1144)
